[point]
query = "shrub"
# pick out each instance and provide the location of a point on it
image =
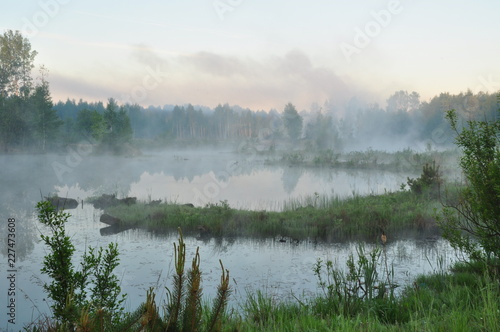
(429, 182)
(347, 293)
(473, 223)
(68, 288)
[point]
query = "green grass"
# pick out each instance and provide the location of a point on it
(312, 217)
(459, 301)
(402, 160)
(464, 300)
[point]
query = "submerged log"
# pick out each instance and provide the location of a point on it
(110, 220)
(112, 230)
(62, 202)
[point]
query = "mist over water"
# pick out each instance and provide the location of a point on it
(184, 177)
(198, 177)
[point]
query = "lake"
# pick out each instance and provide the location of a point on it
(198, 177)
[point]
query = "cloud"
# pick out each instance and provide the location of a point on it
(263, 83)
(217, 65)
(63, 87)
(144, 55)
(208, 78)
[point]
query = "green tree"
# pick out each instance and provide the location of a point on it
(46, 122)
(118, 129)
(222, 118)
(473, 223)
(16, 63)
(90, 123)
(293, 122)
(13, 127)
(322, 132)
(403, 101)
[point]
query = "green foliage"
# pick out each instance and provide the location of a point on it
(438, 302)
(429, 182)
(345, 293)
(326, 158)
(314, 216)
(191, 309)
(106, 289)
(57, 264)
(26, 111)
(293, 158)
(184, 311)
(292, 121)
(322, 133)
(91, 123)
(220, 302)
(16, 63)
(118, 129)
(473, 223)
(68, 288)
(46, 123)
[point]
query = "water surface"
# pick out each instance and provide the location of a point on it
(277, 268)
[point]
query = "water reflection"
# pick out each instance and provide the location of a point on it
(280, 269)
(290, 178)
(182, 177)
(146, 258)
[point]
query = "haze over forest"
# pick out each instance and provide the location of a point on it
(334, 75)
(32, 122)
(260, 54)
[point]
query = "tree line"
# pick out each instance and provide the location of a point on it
(30, 121)
(404, 119)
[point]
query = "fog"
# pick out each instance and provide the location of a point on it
(199, 176)
(259, 108)
(261, 160)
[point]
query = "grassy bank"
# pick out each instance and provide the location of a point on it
(463, 300)
(316, 217)
(404, 160)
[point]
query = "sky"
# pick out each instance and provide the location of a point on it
(260, 54)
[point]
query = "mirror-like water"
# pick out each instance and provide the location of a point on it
(276, 268)
(196, 177)
(146, 259)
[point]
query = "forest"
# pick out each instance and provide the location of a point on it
(30, 121)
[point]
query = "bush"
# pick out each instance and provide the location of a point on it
(349, 293)
(429, 182)
(68, 288)
(473, 223)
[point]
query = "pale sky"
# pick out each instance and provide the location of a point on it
(260, 54)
